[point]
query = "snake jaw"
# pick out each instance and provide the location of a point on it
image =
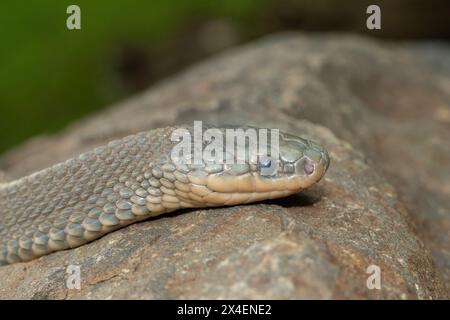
(301, 164)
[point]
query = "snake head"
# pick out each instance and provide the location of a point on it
(290, 165)
(302, 160)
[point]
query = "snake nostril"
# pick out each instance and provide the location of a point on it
(308, 167)
(305, 166)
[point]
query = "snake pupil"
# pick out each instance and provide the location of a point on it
(265, 163)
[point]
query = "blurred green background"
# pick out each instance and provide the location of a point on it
(50, 75)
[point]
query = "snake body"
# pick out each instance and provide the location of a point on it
(132, 179)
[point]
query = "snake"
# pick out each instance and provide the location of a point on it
(136, 177)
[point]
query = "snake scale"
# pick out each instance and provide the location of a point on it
(132, 179)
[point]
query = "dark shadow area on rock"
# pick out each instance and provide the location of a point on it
(302, 199)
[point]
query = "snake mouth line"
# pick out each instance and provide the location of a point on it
(251, 187)
(307, 173)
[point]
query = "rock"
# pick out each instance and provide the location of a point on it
(382, 110)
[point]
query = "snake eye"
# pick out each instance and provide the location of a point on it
(267, 166)
(265, 163)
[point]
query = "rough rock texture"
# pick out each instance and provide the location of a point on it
(383, 112)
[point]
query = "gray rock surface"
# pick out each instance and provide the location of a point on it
(383, 112)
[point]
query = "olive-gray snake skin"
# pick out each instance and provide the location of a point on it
(132, 179)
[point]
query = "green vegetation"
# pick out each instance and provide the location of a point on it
(50, 75)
